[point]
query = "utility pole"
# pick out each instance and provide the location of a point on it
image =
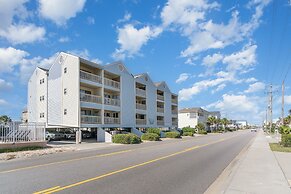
(269, 115)
(283, 94)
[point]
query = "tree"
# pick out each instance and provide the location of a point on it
(224, 122)
(211, 121)
(200, 127)
(289, 111)
(5, 119)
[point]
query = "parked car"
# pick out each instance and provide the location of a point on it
(86, 134)
(253, 130)
(53, 136)
(68, 134)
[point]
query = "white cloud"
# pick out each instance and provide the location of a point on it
(86, 55)
(131, 39)
(64, 39)
(3, 102)
(4, 85)
(255, 87)
(241, 60)
(19, 34)
(59, 11)
(287, 99)
(90, 20)
(183, 77)
(13, 26)
(125, 18)
(211, 60)
(219, 88)
(10, 57)
(250, 80)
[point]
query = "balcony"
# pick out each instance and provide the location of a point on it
(140, 92)
(88, 119)
(160, 122)
(161, 110)
(174, 101)
(90, 77)
(174, 112)
(111, 83)
(160, 97)
(111, 101)
(111, 120)
(141, 121)
(141, 106)
(175, 123)
(90, 98)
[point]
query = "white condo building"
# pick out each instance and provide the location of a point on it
(192, 116)
(77, 93)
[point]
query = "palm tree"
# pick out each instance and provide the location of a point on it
(224, 122)
(5, 119)
(211, 121)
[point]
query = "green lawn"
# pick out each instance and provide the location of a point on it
(278, 148)
(6, 150)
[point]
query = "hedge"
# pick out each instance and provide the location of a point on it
(187, 134)
(129, 138)
(150, 137)
(286, 140)
(154, 130)
(188, 129)
(172, 135)
(203, 132)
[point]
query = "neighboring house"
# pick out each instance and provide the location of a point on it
(24, 116)
(192, 116)
(78, 93)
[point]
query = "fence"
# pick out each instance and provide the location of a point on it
(14, 132)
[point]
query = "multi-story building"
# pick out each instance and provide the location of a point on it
(192, 116)
(78, 93)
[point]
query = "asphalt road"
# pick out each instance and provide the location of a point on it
(188, 165)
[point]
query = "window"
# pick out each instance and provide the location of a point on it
(41, 115)
(41, 98)
(65, 70)
(65, 91)
(65, 111)
(41, 81)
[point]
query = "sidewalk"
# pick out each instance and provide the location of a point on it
(254, 171)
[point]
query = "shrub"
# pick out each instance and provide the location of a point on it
(187, 133)
(154, 130)
(203, 132)
(284, 130)
(172, 135)
(286, 140)
(188, 129)
(126, 138)
(150, 137)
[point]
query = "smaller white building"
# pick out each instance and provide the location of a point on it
(192, 116)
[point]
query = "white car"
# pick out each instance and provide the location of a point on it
(253, 130)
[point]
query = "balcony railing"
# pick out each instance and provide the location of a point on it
(89, 119)
(91, 77)
(140, 92)
(141, 121)
(141, 106)
(161, 110)
(174, 112)
(111, 120)
(175, 123)
(90, 98)
(111, 101)
(111, 83)
(159, 122)
(160, 97)
(175, 101)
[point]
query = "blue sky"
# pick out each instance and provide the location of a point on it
(220, 55)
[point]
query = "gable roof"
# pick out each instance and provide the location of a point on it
(162, 86)
(143, 76)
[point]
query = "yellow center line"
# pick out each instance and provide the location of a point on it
(47, 190)
(135, 166)
(83, 158)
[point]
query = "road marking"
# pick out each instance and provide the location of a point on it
(66, 161)
(83, 158)
(135, 166)
(47, 190)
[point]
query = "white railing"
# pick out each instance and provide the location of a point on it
(90, 98)
(111, 101)
(111, 83)
(90, 119)
(161, 110)
(141, 106)
(91, 77)
(14, 132)
(159, 122)
(140, 92)
(174, 101)
(111, 120)
(141, 121)
(160, 97)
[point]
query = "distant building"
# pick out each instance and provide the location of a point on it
(192, 116)
(24, 116)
